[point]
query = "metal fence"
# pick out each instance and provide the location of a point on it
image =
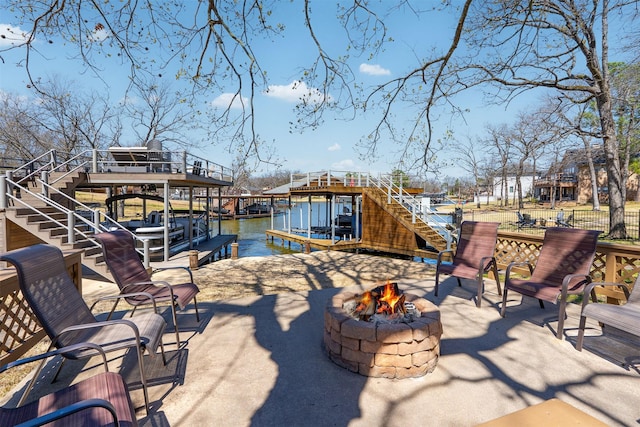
(586, 219)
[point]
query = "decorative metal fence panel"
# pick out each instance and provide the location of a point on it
(586, 219)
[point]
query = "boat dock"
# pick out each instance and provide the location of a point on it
(344, 245)
(208, 251)
(315, 243)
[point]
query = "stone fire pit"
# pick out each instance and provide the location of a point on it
(386, 350)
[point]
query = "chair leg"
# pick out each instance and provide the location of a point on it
(583, 323)
(497, 277)
(164, 358)
(195, 303)
(503, 310)
(437, 282)
(561, 312)
(480, 286)
(175, 324)
(143, 377)
(33, 380)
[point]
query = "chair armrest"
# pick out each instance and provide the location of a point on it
(569, 278)
(483, 261)
(60, 351)
(70, 410)
(439, 260)
(591, 286)
(187, 269)
(517, 264)
(153, 283)
(103, 324)
(129, 294)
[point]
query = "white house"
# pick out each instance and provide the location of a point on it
(525, 180)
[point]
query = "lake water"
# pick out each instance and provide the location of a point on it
(252, 240)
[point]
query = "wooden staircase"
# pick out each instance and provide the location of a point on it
(402, 215)
(48, 223)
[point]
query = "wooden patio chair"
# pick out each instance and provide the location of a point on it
(131, 276)
(625, 317)
(66, 318)
(101, 400)
(473, 257)
(562, 269)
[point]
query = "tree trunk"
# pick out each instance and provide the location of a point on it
(615, 178)
(592, 173)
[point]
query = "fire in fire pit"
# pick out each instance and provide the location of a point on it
(383, 303)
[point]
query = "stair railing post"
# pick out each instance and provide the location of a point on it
(184, 162)
(3, 192)
(44, 177)
(10, 186)
(389, 195)
(96, 221)
(94, 161)
(146, 243)
(71, 226)
(413, 213)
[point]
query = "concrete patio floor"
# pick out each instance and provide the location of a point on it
(259, 361)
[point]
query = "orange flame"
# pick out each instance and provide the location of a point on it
(389, 299)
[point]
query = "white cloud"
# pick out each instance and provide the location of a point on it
(334, 147)
(296, 91)
(343, 165)
(230, 100)
(129, 100)
(374, 70)
(12, 36)
(99, 34)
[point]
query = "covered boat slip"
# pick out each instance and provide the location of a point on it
(357, 211)
(164, 175)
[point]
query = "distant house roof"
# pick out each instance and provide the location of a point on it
(285, 188)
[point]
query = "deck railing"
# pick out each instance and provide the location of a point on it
(579, 218)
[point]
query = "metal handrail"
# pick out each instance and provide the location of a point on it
(95, 225)
(413, 205)
(30, 170)
(49, 202)
(84, 164)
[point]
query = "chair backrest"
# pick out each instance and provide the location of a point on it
(477, 240)
(49, 290)
(565, 251)
(122, 258)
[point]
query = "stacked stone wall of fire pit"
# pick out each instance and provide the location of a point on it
(383, 350)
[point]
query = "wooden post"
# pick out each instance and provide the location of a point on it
(234, 250)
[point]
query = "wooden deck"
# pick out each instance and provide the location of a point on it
(340, 245)
(315, 243)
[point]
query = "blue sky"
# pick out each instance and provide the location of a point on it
(333, 145)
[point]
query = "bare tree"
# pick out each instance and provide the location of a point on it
(20, 137)
(155, 112)
(499, 146)
(62, 118)
(510, 45)
(470, 160)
